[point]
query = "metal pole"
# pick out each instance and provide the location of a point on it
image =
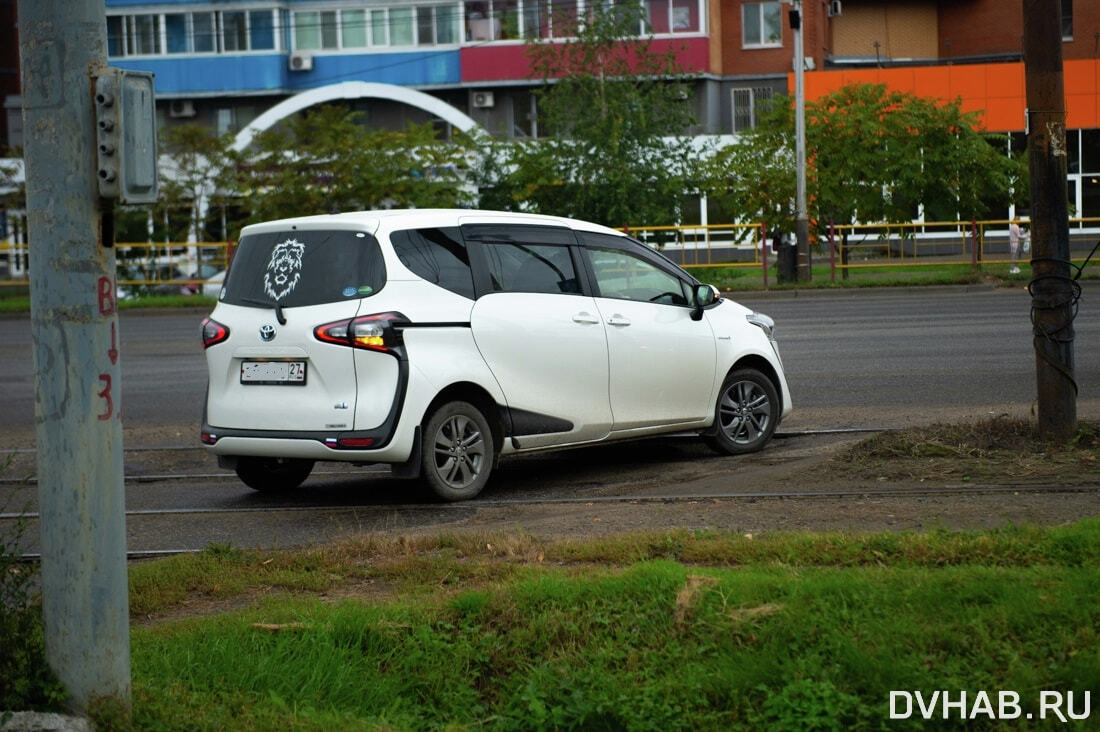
(832, 252)
(802, 221)
(1052, 298)
(764, 250)
(74, 324)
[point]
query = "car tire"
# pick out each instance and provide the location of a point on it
(273, 475)
(745, 414)
(457, 452)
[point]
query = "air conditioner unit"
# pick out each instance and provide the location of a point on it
(300, 61)
(181, 108)
(834, 8)
(483, 99)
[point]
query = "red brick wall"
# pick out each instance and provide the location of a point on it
(981, 27)
(780, 60)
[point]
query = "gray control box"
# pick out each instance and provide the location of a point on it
(126, 135)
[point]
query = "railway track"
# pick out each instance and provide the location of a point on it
(338, 501)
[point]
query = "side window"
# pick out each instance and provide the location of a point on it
(437, 255)
(623, 276)
(516, 267)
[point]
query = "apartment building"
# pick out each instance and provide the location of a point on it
(222, 63)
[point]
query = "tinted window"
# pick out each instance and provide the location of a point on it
(437, 255)
(297, 268)
(515, 267)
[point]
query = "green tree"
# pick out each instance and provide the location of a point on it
(194, 163)
(326, 161)
(615, 110)
(873, 155)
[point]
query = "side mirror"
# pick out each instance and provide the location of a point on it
(704, 295)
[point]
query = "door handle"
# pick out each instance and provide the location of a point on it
(618, 320)
(585, 318)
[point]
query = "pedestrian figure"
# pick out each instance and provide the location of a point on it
(1017, 238)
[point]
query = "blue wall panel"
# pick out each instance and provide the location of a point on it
(407, 69)
(211, 74)
(205, 75)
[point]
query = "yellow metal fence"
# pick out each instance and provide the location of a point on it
(845, 248)
(174, 267)
(856, 246)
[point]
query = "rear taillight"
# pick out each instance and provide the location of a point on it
(370, 332)
(213, 332)
(349, 443)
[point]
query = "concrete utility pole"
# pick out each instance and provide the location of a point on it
(802, 219)
(74, 324)
(1051, 284)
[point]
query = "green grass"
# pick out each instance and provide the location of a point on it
(167, 301)
(740, 279)
(727, 279)
(12, 303)
(659, 631)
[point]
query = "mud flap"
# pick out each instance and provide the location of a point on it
(410, 469)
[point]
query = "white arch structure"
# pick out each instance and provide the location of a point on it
(352, 90)
(343, 90)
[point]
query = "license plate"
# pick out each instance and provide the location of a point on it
(291, 373)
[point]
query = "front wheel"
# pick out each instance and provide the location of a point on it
(273, 475)
(457, 451)
(746, 413)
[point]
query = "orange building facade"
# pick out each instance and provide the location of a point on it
(969, 50)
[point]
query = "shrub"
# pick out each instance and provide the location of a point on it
(26, 681)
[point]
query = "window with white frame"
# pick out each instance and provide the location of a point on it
(672, 16)
(748, 104)
(494, 20)
(150, 34)
(761, 25)
(337, 28)
(546, 18)
(357, 28)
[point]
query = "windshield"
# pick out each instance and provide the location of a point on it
(299, 268)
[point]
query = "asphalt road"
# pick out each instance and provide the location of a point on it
(861, 359)
(878, 358)
(912, 356)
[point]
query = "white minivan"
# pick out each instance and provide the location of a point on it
(441, 340)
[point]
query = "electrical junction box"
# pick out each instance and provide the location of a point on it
(126, 136)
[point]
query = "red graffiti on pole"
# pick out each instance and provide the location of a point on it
(108, 306)
(106, 296)
(106, 394)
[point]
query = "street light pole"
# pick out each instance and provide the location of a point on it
(802, 220)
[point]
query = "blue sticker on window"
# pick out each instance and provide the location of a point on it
(349, 291)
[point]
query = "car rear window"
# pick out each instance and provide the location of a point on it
(298, 268)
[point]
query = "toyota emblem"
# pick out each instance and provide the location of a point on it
(267, 333)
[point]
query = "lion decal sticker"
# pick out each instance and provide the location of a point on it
(285, 269)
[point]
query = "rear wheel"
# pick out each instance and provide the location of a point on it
(271, 475)
(457, 452)
(746, 413)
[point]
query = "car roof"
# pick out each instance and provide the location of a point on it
(395, 219)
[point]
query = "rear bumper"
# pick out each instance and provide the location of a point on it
(298, 445)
